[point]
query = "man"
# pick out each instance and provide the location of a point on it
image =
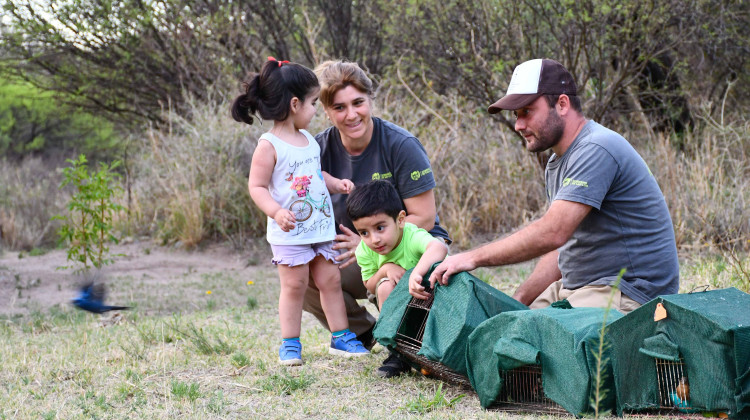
(606, 210)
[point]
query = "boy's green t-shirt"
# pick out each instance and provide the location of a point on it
(407, 254)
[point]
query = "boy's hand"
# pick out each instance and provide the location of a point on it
(285, 219)
(415, 287)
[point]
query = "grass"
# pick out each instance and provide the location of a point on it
(180, 358)
(196, 362)
(29, 197)
(425, 403)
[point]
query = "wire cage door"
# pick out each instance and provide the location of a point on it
(409, 341)
(674, 388)
(523, 392)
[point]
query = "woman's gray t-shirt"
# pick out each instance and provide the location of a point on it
(393, 154)
(629, 225)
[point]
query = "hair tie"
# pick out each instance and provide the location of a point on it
(280, 62)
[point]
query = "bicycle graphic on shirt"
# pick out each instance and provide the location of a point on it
(303, 208)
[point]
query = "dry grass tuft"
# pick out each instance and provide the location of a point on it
(486, 181)
(192, 179)
(707, 185)
(29, 197)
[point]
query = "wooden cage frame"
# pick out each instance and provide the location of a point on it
(409, 341)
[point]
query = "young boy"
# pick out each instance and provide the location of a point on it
(389, 247)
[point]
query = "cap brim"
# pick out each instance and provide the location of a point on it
(512, 102)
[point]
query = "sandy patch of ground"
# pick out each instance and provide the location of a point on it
(157, 274)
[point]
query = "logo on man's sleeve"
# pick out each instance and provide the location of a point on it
(418, 174)
(574, 182)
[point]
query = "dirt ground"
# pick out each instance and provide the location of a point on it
(33, 283)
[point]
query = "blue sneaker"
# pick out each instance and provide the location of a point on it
(290, 353)
(347, 345)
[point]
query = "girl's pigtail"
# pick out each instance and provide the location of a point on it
(268, 95)
(245, 105)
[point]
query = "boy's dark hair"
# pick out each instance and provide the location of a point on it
(270, 92)
(373, 198)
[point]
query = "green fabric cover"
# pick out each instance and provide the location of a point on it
(662, 347)
(710, 330)
(562, 340)
(457, 309)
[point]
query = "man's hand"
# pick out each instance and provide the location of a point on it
(450, 266)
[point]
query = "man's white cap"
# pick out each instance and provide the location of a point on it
(533, 79)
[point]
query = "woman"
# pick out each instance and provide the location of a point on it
(361, 148)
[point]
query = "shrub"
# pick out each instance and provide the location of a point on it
(87, 227)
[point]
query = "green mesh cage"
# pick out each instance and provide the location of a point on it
(433, 333)
(541, 360)
(695, 360)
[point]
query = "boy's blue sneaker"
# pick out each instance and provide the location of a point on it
(290, 353)
(347, 345)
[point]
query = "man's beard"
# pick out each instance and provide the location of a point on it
(549, 134)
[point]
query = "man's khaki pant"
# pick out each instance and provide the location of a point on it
(595, 296)
(360, 320)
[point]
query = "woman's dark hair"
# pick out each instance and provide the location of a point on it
(373, 198)
(270, 92)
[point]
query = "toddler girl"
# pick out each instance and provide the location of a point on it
(286, 183)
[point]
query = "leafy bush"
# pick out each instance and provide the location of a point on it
(34, 122)
(87, 227)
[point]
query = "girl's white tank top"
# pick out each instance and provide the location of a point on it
(297, 184)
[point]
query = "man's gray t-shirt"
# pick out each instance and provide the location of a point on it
(629, 225)
(393, 154)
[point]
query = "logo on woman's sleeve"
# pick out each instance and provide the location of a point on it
(417, 174)
(376, 176)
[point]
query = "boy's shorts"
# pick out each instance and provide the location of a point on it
(294, 255)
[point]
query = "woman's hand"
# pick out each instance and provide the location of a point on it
(345, 186)
(346, 242)
(336, 185)
(285, 219)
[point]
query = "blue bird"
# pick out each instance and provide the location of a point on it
(91, 298)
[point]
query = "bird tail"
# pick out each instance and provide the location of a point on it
(118, 308)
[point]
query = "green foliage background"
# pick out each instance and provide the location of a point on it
(35, 122)
(149, 83)
(132, 59)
